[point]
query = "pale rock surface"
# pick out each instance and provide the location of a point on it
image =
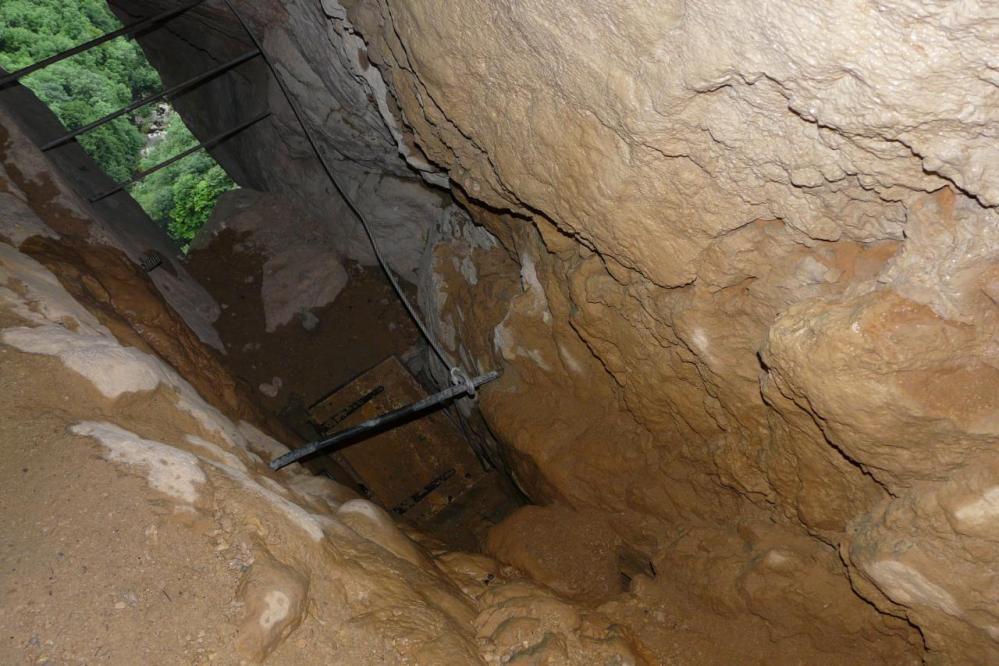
(275, 597)
(171, 471)
(34, 293)
(113, 369)
(19, 221)
(750, 257)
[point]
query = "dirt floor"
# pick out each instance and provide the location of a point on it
(87, 563)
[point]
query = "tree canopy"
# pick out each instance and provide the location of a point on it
(181, 196)
(92, 84)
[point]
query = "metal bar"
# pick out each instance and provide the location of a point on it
(206, 144)
(380, 422)
(124, 30)
(190, 83)
(417, 497)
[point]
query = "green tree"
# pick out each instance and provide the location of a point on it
(194, 199)
(94, 83)
(180, 197)
(86, 86)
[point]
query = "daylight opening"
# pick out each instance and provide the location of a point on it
(90, 85)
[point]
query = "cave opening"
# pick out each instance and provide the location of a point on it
(85, 65)
(741, 291)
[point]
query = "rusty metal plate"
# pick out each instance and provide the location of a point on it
(415, 470)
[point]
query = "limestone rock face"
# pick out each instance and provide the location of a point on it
(343, 100)
(738, 261)
(750, 256)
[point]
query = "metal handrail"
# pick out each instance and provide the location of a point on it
(204, 144)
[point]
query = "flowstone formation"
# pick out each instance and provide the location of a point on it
(753, 248)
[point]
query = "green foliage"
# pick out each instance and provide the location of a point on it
(182, 196)
(92, 84)
(195, 199)
(86, 86)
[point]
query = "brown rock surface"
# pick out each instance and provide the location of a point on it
(738, 262)
(757, 264)
(572, 553)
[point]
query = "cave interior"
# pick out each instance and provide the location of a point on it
(737, 269)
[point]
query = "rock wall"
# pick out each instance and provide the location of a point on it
(737, 260)
(300, 271)
(751, 249)
(72, 175)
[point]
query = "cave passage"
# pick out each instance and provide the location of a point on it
(417, 497)
(491, 332)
